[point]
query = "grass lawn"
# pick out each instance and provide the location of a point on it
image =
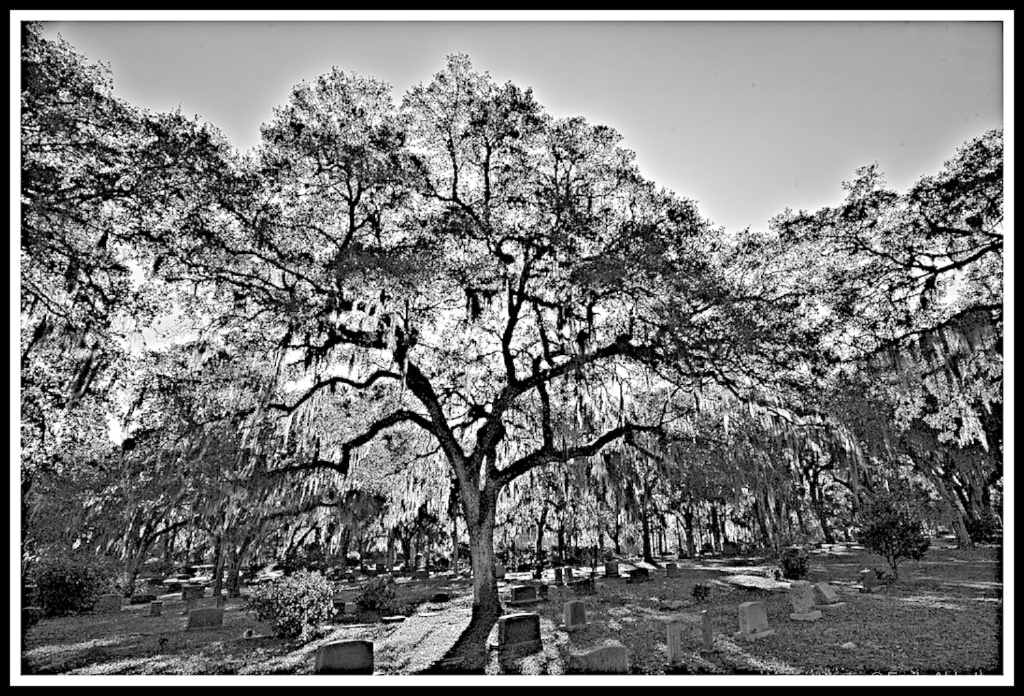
(944, 616)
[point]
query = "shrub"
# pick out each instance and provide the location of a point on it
(774, 573)
(794, 562)
(379, 594)
(294, 605)
(890, 528)
(985, 529)
(71, 584)
(701, 591)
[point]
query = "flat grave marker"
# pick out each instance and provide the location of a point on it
(347, 657)
(606, 659)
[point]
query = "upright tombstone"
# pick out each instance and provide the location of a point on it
(519, 631)
(705, 627)
(379, 568)
(108, 603)
(558, 576)
(575, 615)
(607, 659)
(205, 617)
(192, 592)
(568, 574)
(421, 575)
(674, 638)
(611, 569)
(868, 581)
(827, 597)
(347, 657)
(583, 586)
(639, 575)
(753, 621)
(155, 608)
(499, 571)
(672, 569)
(524, 594)
(190, 604)
(221, 601)
(801, 594)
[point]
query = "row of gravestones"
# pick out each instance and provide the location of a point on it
(807, 600)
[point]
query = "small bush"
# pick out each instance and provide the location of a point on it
(70, 585)
(774, 573)
(701, 591)
(379, 594)
(794, 562)
(985, 529)
(890, 528)
(295, 605)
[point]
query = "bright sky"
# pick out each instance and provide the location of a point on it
(746, 117)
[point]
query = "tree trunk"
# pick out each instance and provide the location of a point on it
(455, 544)
(716, 529)
(691, 546)
(472, 643)
(540, 533)
(218, 564)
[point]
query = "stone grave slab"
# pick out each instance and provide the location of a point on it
(869, 581)
(606, 659)
(524, 594)
(639, 575)
(706, 633)
(672, 569)
(519, 631)
(205, 617)
(674, 638)
(347, 657)
(753, 621)
(192, 592)
(827, 596)
(611, 569)
(801, 595)
(575, 616)
(583, 586)
(108, 603)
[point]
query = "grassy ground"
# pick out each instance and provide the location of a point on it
(944, 615)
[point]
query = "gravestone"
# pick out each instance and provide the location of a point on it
(421, 575)
(611, 569)
(351, 607)
(827, 597)
(142, 599)
(499, 571)
(639, 575)
(583, 586)
(575, 615)
(672, 569)
(339, 604)
(801, 594)
(156, 608)
(523, 594)
(205, 617)
(607, 659)
(221, 601)
(706, 634)
(868, 581)
(190, 604)
(440, 597)
(519, 631)
(558, 576)
(753, 621)
(192, 592)
(568, 575)
(348, 657)
(674, 638)
(379, 568)
(108, 603)
(730, 548)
